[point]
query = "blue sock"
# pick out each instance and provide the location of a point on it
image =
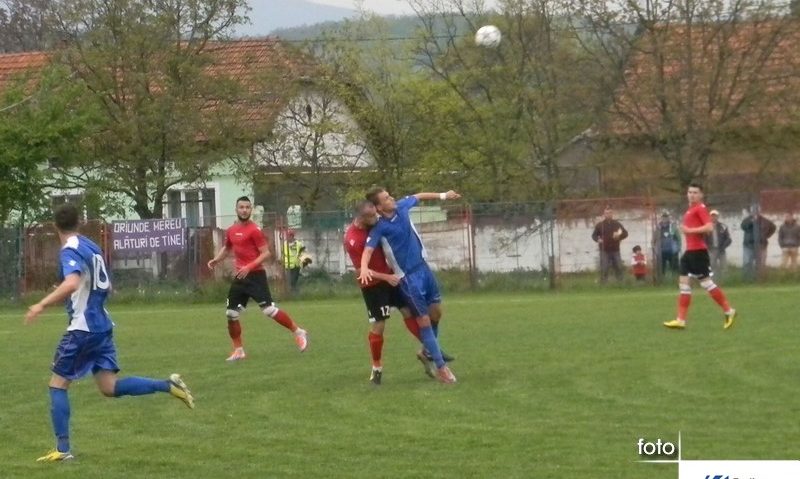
(435, 327)
(134, 386)
(59, 413)
(432, 345)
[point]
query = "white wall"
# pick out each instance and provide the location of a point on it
(504, 248)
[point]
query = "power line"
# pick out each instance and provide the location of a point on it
(372, 39)
(14, 105)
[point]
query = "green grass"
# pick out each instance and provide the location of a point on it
(557, 385)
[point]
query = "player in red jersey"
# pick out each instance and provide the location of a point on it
(250, 250)
(695, 260)
(381, 293)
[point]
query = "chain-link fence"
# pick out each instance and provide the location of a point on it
(533, 245)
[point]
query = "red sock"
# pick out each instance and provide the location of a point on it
(720, 298)
(235, 332)
(684, 300)
(284, 320)
(413, 327)
(376, 347)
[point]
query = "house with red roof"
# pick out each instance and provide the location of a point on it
(727, 92)
(253, 63)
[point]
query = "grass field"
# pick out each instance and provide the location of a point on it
(550, 386)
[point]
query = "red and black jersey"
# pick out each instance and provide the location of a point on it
(245, 239)
(355, 240)
(695, 217)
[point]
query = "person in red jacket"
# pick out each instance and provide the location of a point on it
(250, 250)
(639, 262)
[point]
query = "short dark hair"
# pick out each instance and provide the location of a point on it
(696, 184)
(637, 248)
(243, 198)
(67, 217)
(361, 206)
(373, 193)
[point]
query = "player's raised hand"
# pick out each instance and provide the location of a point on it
(33, 312)
(452, 195)
(212, 263)
(365, 277)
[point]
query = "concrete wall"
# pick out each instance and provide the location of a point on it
(504, 248)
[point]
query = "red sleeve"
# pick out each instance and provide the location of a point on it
(354, 249)
(703, 216)
(228, 243)
(257, 237)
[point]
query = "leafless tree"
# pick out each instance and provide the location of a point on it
(686, 76)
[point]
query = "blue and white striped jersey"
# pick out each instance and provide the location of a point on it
(86, 306)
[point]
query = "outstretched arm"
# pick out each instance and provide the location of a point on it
(449, 195)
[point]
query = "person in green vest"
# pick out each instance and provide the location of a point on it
(292, 249)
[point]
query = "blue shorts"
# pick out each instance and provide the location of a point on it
(420, 290)
(80, 352)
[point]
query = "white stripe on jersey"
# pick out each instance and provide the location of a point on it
(419, 238)
(390, 259)
(80, 302)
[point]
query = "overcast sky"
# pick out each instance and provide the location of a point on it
(384, 7)
(268, 15)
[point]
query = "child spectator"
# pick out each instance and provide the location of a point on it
(639, 263)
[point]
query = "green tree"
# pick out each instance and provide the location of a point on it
(373, 75)
(167, 117)
(516, 105)
(315, 148)
(42, 122)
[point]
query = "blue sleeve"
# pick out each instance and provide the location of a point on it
(407, 203)
(375, 235)
(71, 262)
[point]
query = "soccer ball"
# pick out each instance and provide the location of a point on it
(488, 36)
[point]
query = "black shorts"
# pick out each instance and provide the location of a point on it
(696, 263)
(254, 285)
(380, 299)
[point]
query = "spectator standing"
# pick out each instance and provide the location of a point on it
(789, 240)
(292, 250)
(718, 241)
(668, 239)
(608, 234)
(757, 231)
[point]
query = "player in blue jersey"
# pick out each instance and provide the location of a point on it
(88, 345)
(406, 255)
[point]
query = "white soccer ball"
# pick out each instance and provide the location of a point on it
(488, 36)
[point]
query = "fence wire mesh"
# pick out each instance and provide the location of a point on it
(549, 243)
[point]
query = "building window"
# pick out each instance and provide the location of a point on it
(191, 200)
(199, 207)
(174, 204)
(209, 209)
